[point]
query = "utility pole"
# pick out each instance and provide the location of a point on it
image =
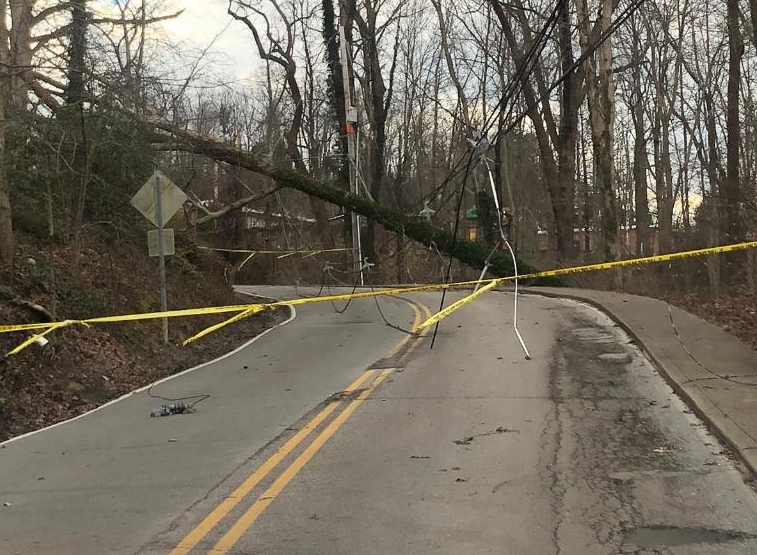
(351, 119)
(161, 254)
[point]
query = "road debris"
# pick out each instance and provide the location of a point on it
(170, 409)
(499, 430)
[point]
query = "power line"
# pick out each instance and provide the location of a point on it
(630, 9)
(514, 87)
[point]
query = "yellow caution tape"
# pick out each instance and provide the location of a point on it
(635, 261)
(283, 253)
(454, 306)
(211, 329)
(589, 268)
(24, 327)
(246, 310)
(166, 314)
(37, 337)
(129, 317)
(246, 260)
(240, 309)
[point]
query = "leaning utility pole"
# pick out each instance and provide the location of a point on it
(351, 118)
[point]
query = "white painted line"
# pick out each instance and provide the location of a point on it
(292, 316)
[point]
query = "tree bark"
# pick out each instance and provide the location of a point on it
(336, 87)
(601, 94)
(641, 202)
(20, 51)
(376, 103)
(566, 147)
(6, 222)
(731, 187)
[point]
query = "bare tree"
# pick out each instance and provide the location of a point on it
(552, 137)
(6, 224)
(277, 47)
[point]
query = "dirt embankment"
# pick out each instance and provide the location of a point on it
(82, 368)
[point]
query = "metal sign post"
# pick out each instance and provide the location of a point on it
(158, 200)
(161, 254)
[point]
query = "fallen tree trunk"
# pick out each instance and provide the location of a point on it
(468, 252)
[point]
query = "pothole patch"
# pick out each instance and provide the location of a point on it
(619, 358)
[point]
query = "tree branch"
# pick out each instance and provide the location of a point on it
(213, 215)
(473, 254)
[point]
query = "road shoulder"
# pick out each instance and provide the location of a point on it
(712, 370)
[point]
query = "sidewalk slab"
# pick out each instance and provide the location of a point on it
(712, 370)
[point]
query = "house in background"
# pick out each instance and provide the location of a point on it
(586, 240)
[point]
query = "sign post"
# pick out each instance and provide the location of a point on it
(161, 254)
(158, 200)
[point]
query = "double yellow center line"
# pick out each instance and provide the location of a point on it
(243, 523)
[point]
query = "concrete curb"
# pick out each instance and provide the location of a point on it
(709, 412)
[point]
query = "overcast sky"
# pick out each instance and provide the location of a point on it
(204, 20)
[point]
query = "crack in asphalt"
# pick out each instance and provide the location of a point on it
(604, 438)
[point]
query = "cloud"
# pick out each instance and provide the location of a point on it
(203, 25)
(206, 22)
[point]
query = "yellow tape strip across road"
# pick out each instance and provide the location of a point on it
(211, 329)
(636, 261)
(248, 309)
(587, 268)
(283, 253)
(454, 306)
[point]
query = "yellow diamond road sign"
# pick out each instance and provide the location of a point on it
(172, 198)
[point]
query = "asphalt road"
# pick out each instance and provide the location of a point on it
(345, 436)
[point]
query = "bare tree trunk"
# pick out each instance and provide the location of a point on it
(586, 198)
(715, 175)
(731, 187)
(641, 203)
(663, 185)
(753, 14)
(75, 97)
(6, 223)
(335, 86)
(566, 146)
(377, 99)
(713, 264)
(20, 51)
(601, 94)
